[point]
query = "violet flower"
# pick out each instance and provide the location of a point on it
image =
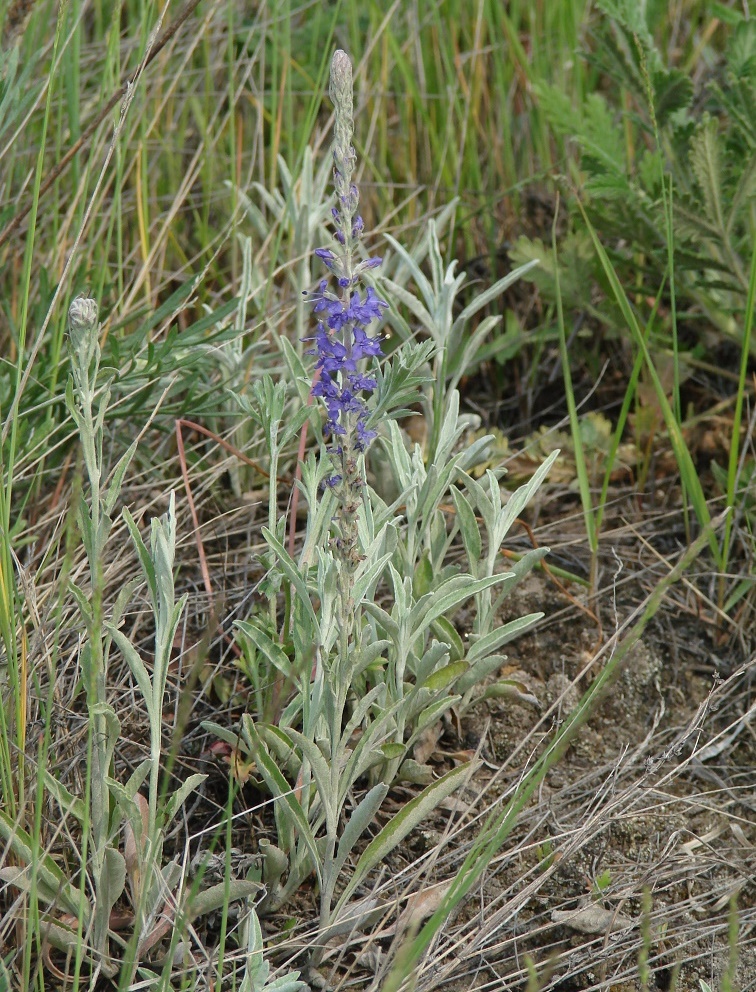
(342, 339)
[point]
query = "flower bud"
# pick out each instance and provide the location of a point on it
(82, 314)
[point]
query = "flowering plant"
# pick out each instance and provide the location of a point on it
(366, 678)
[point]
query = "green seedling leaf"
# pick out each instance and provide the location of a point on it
(392, 750)
(431, 714)
(479, 670)
(422, 581)
(402, 824)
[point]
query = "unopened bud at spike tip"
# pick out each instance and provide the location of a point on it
(82, 314)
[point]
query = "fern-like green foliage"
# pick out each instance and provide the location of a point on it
(648, 128)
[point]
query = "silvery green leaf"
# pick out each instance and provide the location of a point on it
(447, 633)
(448, 596)
(518, 572)
(278, 740)
(113, 491)
(411, 302)
(109, 888)
(468, 527)
(371, 743)
(67, 802)
(431, 659)
(353, 918)
(122, 601)
(22, 879)
(298, 373)
(61, 891)
(265, 644)
(128, 807)
(400, 459)
(417, 274)
(135, 663)
(369, 654)
(217, 896)
(292, 573)
(394, 832)
(361, 710)
(465, 356)
(519, 500)
(179, 796)
(112, 728)
(445, 676)
(481, 299)
(480, 670)
(137, 777)
(501, 635)
(82, 601)
(358, 822)
(284, 796)
(511, 689)
(369, 576)
(295, 422)
(148, 567)
(389, 625)
(321, 772)
(223, 733)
